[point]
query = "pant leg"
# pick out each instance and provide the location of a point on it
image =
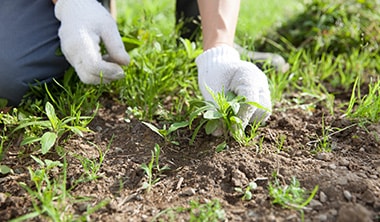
(29, 47)
(187, 15)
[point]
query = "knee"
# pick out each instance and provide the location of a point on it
(15, 81)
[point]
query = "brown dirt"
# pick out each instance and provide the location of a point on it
(348, 177)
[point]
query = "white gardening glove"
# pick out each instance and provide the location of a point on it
(221, 68)
(83, 24)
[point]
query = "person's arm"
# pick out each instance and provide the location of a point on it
(220, 67)
(219, 19)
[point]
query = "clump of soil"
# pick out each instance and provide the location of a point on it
(348, 177)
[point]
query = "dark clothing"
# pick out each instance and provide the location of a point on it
(28, 47)
(188, 18)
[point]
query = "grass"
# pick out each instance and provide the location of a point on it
(291, 196)
(333, 49)
(153, 170)
(264, 15)
(209, 211)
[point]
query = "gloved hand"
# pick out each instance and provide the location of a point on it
(83, 24)
(221, 68)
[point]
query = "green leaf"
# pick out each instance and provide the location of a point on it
(77, 130)
(30, 140)
(196, 113)
(257, 105)
(235, 106)
(50, 112)
(153, 128)
(175, 126)
(247, 195)
(252, 185)
(44, 124)
(236, 120)
(211, 126)
(221, 147)
(51, 164)
(131, 43)
(212, 114)
(5, 169)
(48, 141)
(40, 162)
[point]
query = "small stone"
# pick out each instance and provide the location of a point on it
(3, 197)
(315, 204)
(322, 217)
(118, 150)
(322, 197)
(333, 212)
(252, 214)
(344, 162)
(188, 192)
(362, 149)
(347, 195)
(332, 166)
(98, 128)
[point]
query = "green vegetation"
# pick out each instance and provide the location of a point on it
(152, 169)
(211, 211)
(50, 196)
(52, 129)
(246, 192)
(291, 196)
(333, 48)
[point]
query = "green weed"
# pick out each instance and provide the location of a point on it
(366, 107)
(50, 197)
(166, 133)
(161, 71)
(52, 129)
(152, 169)
(69, 96)
(221, 117)
(246, 192)
(91, 167)
(211, 211)
(290, 196)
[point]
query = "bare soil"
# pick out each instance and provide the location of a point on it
(348, 177)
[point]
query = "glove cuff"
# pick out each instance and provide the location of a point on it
(71, 6)
(217, 55)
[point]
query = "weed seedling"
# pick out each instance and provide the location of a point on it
(166, 133)
(209, 211)
(290, 196)
(50, 195)
(53, 129)
(247, 194)
(152, 166)
(91, 167)
(221, 116)
(368, 106)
